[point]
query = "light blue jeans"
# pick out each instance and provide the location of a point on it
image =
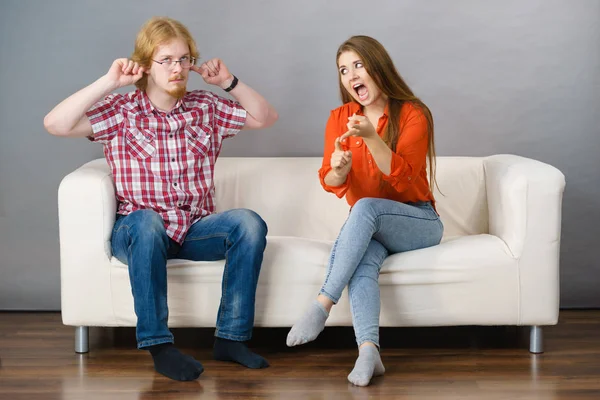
(374, 229)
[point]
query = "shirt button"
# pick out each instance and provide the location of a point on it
(358, 142)
(172, 159)
(175, 184)
(409, 178)
(170, 136)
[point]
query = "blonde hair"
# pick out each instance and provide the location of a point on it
(156, 32)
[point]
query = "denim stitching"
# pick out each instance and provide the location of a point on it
(224, 285)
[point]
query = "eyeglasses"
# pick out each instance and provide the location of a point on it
(185, 62)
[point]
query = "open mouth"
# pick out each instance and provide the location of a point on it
(361, 91)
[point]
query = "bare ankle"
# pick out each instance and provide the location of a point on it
(365, 344)
(325, 302)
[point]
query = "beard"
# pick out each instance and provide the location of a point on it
(178, 92)
(180, 89)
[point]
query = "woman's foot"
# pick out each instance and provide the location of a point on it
(309, 326)
(367, 366)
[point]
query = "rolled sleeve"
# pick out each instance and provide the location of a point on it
(339, 191)
(229, 118)
(105, 119)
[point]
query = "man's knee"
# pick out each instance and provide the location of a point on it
(146, 225)
(251, 225)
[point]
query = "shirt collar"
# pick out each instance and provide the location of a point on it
(357, 108)
(148, 107)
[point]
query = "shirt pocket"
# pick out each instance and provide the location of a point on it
(140, 143)
(197, 139)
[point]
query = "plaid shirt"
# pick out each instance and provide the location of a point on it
(165, 161)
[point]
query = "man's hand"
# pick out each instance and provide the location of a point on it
(124, 72)
(214, 72)
(341, 161)
(359, 125)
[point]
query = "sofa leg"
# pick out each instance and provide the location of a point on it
(82, 339)
(536, 340)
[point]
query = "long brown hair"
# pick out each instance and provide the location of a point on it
(380, 67)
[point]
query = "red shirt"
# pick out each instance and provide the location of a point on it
(165, 161)
(407, 181)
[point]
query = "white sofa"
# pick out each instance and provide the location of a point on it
(498, 263)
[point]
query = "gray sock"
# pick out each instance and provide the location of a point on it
(367, 366)
(309, 326)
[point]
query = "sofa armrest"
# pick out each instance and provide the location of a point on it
(525, 211)
(86, 212)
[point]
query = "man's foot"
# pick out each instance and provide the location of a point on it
(173, 364)
(309, 326)
(230, 350)
(367, 366)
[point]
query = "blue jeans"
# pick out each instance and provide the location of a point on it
(238, 236)
(374, 229)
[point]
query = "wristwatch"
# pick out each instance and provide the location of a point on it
(234, 83)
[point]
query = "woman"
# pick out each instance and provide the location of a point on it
(376, 150)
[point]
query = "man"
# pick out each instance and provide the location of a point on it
(161, 143)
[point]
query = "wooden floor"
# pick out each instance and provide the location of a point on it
(37, 362)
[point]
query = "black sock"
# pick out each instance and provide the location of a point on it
(172, 363)
(229, 350)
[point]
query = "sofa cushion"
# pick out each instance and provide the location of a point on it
(455, 281)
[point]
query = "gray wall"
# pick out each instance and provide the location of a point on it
(513, 76)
